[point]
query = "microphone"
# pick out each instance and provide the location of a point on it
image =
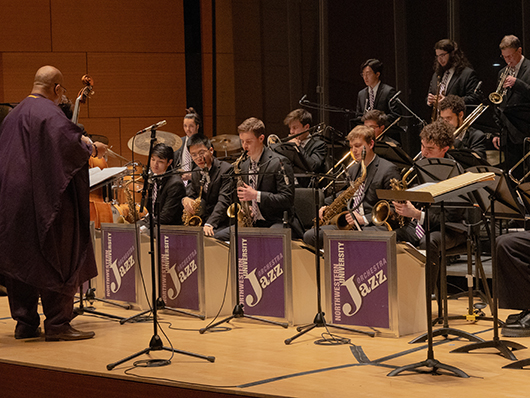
(153, 127)
(396, 95)
(478, 87)
(285, 178)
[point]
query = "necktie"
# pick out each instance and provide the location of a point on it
(443, 84)
(206, 177)
(358, 196)
(253, 179)
(155, 194)
(372, 98)
(186, 160)
(420, 232)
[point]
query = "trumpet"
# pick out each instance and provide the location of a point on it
(498, 95)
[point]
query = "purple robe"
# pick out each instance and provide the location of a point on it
(44, 198)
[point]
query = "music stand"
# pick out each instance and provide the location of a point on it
(393, 153)
(430, 170)
(155, 344)
(319, 320)
(238, 311)
(500, 192)
(428, 199)
(467, 158)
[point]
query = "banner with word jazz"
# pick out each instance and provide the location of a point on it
(264, 277)
(181, 265)
(360, 275)
(120, 259)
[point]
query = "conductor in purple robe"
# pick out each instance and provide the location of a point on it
(45, 243)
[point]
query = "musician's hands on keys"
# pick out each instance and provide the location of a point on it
(407, 209)
(359, 218)
(246, 192)
(321, 212)
(188, 205)
(431, 99)
(509, 82)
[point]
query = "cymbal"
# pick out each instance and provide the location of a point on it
(143, 140)
(226, 142)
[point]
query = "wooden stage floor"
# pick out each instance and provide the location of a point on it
(251, 360)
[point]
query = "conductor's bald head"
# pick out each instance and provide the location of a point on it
(49, 83)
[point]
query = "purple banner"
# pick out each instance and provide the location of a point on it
(261, 275)
(120, 260)
(359, 284)
(179, 261)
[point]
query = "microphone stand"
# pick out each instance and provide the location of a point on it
(423, 122)
(319, 320)
(155, 343)
(238, 311)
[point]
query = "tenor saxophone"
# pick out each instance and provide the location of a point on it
(193, 219)
(242, 210)
(333, 214)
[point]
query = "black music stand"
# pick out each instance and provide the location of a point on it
(428, 199)
(155, 344)
(319, 320)
(238, 311)
(393, 153)
(467, 158)
(500, 192)
(431, 170)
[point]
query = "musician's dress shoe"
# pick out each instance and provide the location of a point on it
(20, 333)
(512, 318)
(69, 334)
(520, 328)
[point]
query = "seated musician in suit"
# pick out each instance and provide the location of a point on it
(167, 191)
(267, 181)
(376, 94)
(452, 109)
(378, 174)
(436, 139)
(377, 120)
(216, 190)
(311, 148)
(513, 281)
(454, 74)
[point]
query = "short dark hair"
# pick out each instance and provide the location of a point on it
(163, 151)
(303, 116)
(378, 116)
(440, 133)
(510, 41)
(453, 102)
(252, 124)
(198, 139)
(375, 64)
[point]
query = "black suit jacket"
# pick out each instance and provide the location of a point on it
(314, 155)
(462, 85)
(383, 95)
(169, 197)
(277, 192)
(516, 96)
(378, 175)
(474, 140)
(215, 201)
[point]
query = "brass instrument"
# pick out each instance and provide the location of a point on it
(386, 129)
(498, 95)
(518, 182)
(242, 210)
(468, 121)
(435, 110)
(274, 139)
(194, 220)
(132, 215)
(341, 173)
(338, 163)
(333, 213)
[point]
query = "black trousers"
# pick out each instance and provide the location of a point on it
(513, 265)
(23, 301)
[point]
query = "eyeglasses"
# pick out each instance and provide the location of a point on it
(59, 84)
(440, 55)
(200, 154)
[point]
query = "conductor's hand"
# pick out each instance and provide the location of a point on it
(246, 192)
(102, 149)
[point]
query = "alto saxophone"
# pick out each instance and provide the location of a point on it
(242, 210)
(193, 220)
(333, 213)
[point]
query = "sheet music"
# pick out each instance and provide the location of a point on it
(462, 180)
(98, 175)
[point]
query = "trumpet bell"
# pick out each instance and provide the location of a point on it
(495, 98)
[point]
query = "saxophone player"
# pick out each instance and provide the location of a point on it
(379, 172)
(215, 195)
(167, 192)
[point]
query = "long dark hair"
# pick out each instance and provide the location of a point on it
(457, 58)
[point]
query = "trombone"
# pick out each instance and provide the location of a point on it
(519, 182)
(468, 121)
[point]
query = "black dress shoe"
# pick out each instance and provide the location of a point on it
(520, 328)
(24, 334)
(69, 334)
(513, 318)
